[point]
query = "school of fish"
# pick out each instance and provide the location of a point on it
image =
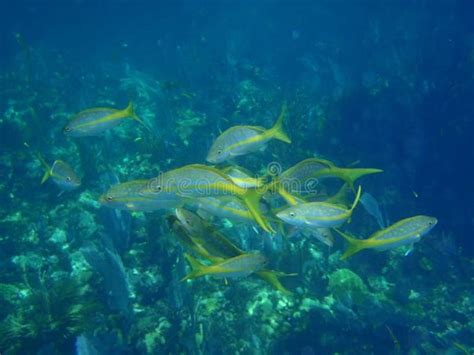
(199, 196)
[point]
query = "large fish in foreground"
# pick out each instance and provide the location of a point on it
(241, 140)
(196, 181)
(94, 121)
(405, 232)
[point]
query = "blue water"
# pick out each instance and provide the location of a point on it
(377, 84)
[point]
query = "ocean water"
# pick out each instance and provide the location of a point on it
(367, 84)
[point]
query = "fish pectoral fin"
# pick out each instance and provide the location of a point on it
(410, 249)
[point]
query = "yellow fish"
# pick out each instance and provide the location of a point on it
(197, 181)
(126, 196)
(236, 267)
(60, 173)
(241, 140)
(211, 241)
(94, 121)
(405, 232)
(318, 214)
(243, 178)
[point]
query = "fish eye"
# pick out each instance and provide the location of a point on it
(159, 188)
(292, 214)
(188, 221)
(68, 179)
(219, 152)
(67, 129)
(109, 198)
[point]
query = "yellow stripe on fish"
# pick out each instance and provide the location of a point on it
(240, 140)
(405, 232)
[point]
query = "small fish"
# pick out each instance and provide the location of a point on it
(241, 177)
(94, 121)
(241, 140)
(126, 196)
(60, 173)
(405, 232)
(236, 267)
(318, 214)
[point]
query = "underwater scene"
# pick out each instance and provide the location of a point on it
(236, 177)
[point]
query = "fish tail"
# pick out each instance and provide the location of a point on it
(197, 269)
(47, 168)
(289, 198)
(277, 130)
(351, 175)
(357, 198)
(341, 197)
(252, 199)
(261, 181)
(355, 245)
(130, 112)
(271, 277)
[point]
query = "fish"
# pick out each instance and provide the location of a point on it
(94, 121)
(230, 207)
(197, 181)
(318, 214)
(372, 207)
(215, 247)
(193, 224)
(404, 232)
(243, 178)
(236, 267)
(324, 235)
(126, 196)
(241, 140)
(181, 233)
(60, 173)
(303, 176)
(207, 235)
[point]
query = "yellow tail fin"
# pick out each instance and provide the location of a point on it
(341, 197)
(351, 175)
(130, 112)
(197, 269)
(357, 198)
(355, 245)
(271, 277)
(47, 168)
(277, 130)
(289, 198)
(252, 200)
(347, 174)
